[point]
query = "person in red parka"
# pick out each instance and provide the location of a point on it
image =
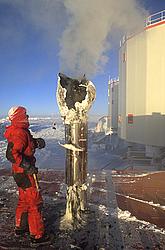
(20, 152)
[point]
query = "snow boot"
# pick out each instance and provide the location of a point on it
(44, 240)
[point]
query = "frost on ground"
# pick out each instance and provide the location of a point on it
(104, 225)
(83, 237)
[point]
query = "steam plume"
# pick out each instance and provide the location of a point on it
(84, 43)
(82, 28)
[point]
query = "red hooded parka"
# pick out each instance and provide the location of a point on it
(22, 146)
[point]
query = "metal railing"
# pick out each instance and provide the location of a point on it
(155, 18)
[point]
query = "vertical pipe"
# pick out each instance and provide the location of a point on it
(76, 162)
(75, 98)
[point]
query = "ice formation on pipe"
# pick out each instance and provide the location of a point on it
(74, 98)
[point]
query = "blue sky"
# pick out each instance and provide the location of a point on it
(29, 59)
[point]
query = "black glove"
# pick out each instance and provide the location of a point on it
(39, 143)
(28, 169)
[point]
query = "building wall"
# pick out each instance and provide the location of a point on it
(122, 91)
(142, 84)
(156, 70)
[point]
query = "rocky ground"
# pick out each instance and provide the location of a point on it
(104, 225)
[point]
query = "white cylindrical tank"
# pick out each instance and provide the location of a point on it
(142, 85)
(113, 103)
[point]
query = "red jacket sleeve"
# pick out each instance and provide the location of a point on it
(20, 142)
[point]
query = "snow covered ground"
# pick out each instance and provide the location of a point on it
(108, 227)
(53, 155)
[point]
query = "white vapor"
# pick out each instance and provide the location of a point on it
(81, 29)
(85, 40)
